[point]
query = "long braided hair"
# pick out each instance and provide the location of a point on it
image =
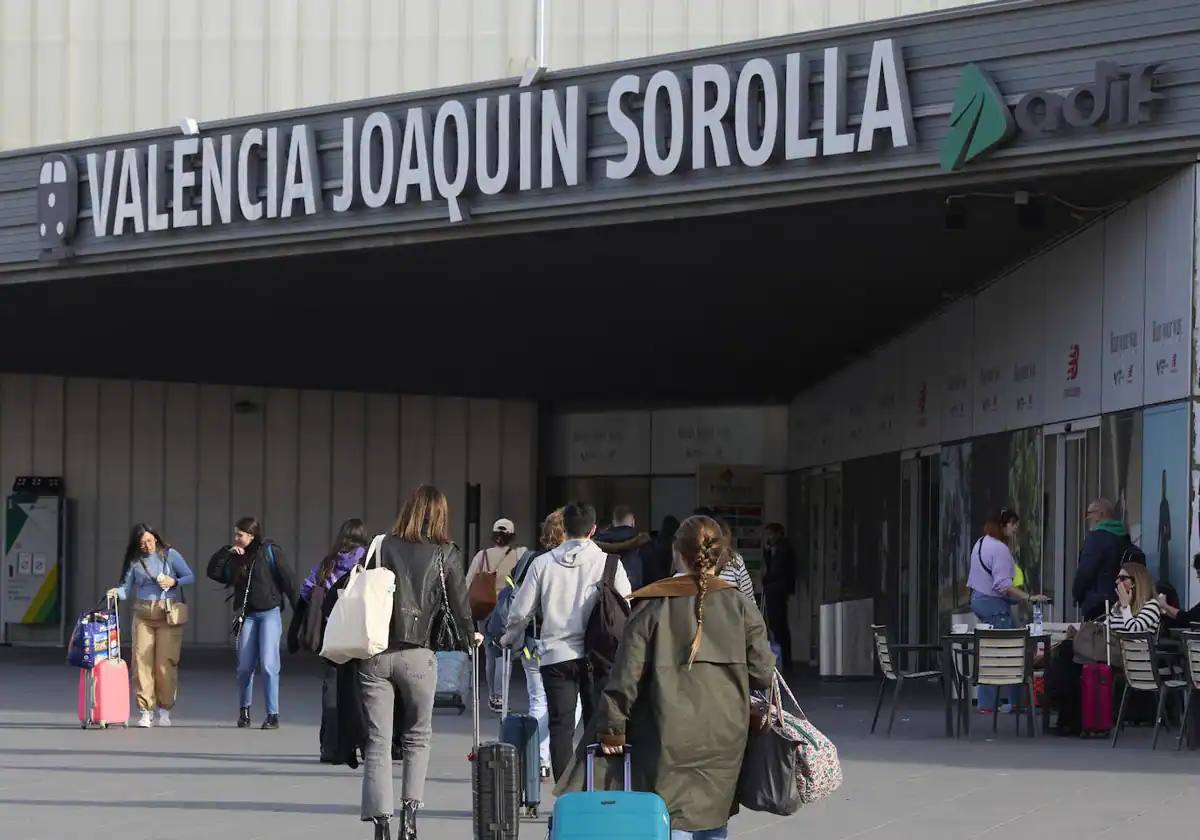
(703, 548)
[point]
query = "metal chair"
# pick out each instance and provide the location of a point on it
(1004, 658)
(1142, 674)
(886, 651)
(1191, 667)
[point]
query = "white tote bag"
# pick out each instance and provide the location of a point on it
(361, 620)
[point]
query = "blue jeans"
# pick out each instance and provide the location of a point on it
(708, 834)
(997, 612)
(258, 646)
(538, 709)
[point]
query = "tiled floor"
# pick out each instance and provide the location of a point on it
(206, 780)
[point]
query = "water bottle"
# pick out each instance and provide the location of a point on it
(1037, 618)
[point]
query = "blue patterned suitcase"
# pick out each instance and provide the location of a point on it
(610, 814)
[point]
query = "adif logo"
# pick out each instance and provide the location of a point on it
(57, 201)
(980, 119)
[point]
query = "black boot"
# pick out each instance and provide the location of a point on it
(272, 722)
(244, 718)
(383, 828)
(408, 820)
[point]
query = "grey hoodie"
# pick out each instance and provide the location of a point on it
(563, 585)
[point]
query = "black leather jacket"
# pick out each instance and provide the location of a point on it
(418, 595)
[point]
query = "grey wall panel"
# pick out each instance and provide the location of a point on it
(416, 443)
(116, 402)
(281, 505)
(450, 459)
(383, 462)
(48, 395)
(16, 428)
(349, 454)
(214, 515)
(483, 465)
(147, 469)
(316, 474)
(81, 474)
(180, 457)
(181, 466)
(518, 467)
(246, 490)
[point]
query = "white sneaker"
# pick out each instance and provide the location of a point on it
(164, 718)
(146, 720)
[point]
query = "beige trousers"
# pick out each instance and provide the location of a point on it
(156, 647)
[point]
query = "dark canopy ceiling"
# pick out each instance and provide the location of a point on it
(748, 306)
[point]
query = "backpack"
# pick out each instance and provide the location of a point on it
(606, 625)
(497, 621)
(360, 624)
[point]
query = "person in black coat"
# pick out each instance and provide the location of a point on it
(257, 571)
(1102, 554)
(779, 584)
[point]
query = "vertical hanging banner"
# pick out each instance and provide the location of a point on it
(32, 558)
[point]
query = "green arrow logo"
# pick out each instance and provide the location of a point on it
(979, 121)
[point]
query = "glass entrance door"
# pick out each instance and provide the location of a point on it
(1072, 475)
(917, 587)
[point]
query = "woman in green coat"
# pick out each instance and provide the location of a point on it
(679, 691)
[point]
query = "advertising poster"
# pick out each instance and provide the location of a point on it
(956, 537)
(920, 406)
(1123, 338)
(1025, 494)
(737, 494)
(1074, 313)
(1121, 468)
(1025, 339)
(1165, 495)
(957, 370)
(992, 359)
(32, 594)
(1170, 234)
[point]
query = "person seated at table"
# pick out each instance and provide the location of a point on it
(994, 589)
(1137, 611)
(1173, 616)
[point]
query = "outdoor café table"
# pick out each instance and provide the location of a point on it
(957, 651)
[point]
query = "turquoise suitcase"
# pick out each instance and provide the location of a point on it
(613, 815)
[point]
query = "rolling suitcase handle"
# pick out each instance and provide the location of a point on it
(506, 670)
(474, 704)
(591, 767)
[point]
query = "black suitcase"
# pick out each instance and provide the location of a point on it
(495, 780)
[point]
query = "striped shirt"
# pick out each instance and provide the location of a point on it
(735, 572)
(1122, 619)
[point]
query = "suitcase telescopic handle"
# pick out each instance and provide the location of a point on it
(506, 677)
(111, 601)
(471, 650)
(591, 767)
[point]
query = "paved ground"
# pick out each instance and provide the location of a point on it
(206, 780)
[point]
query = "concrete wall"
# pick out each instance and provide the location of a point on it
(73, 69)
(181, 457)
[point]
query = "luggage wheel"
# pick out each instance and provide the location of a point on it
(83, 725)
(532, 812)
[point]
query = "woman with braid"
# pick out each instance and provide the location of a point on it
(679, 692)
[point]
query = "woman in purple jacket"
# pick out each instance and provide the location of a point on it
(348, 550)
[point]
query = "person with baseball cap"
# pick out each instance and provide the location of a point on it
(499, 559)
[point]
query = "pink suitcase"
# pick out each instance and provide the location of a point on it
(104, 689)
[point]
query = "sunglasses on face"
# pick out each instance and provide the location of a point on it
(1123, 578)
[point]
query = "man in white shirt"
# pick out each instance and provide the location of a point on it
(563, 586)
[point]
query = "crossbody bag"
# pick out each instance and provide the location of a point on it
(174, 610)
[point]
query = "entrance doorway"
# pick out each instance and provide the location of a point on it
(1072, 481)
(920, 511)
(823, 523)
